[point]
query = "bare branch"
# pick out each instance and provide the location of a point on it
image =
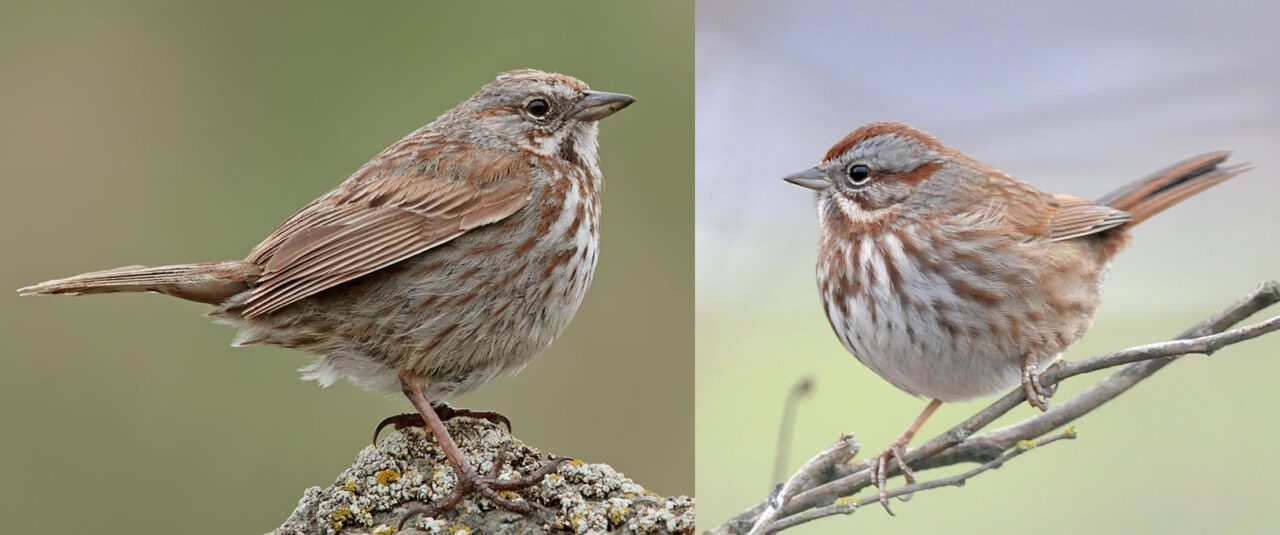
(845, 447)
(960, 444)
(846, 506)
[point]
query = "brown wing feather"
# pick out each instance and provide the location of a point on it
(1078, 217)
(367, 225)
(1051, 217)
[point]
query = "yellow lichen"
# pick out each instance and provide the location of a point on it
(575, 462)
(459, 529)
(340, 517)
(387, 477)
(1026, 444)
(848, 500)
(1071, 431)
(618, 514)
(383, 530)
(350, 485)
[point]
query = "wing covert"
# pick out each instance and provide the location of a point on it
(366, 225)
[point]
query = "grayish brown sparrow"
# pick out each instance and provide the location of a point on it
(953, 280)
(452, 257)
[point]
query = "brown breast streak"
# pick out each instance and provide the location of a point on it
(1015, 317)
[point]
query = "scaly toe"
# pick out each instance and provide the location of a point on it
(900, 455)
(531, 479)
(1031, 387)
(1033, 397)
(880, 475)
(432, 510)
(448, 412)
(400, 421)
(501, 492)
(1041, 390)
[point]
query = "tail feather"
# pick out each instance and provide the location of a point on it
(1169, 186)
(209, 282)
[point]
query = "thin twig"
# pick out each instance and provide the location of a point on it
(959, 444)
(844, 448)
(1204, 345)
(845, 506)
(801, 389)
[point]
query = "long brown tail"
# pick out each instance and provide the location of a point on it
(210, 282)
(1169, 186)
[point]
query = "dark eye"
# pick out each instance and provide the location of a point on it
(538, 108)
(859, 174)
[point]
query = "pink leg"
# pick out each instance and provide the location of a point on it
(897, 451)
(468, 480)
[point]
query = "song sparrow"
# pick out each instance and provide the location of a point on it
(453, 256)
(953, 280)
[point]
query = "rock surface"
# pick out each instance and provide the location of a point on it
(408, 467)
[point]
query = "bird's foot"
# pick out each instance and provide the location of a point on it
(880, 472)
(400, 421)
(502, 492)
(1037, 395)
(447, 412)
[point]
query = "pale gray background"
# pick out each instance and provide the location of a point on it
(1080, 99)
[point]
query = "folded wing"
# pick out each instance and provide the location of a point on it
(366, 225)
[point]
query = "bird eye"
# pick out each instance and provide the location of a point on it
(859, 174)
(538, 108)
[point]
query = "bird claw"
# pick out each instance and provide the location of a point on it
(488, 486)
(446, 412)
(1037, 394)
(880, 473)
(400, 421)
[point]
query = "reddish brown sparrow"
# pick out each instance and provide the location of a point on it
(452, 257)
(953, 280)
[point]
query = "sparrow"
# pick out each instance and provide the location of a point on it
(452, 257)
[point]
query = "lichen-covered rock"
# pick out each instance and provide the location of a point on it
(408, 467)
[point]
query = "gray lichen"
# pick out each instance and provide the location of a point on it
(407, 467)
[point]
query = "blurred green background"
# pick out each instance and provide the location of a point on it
(157, 133)
(1074, 97)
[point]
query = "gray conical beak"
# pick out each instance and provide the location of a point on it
(600, 104)
(812, 178)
